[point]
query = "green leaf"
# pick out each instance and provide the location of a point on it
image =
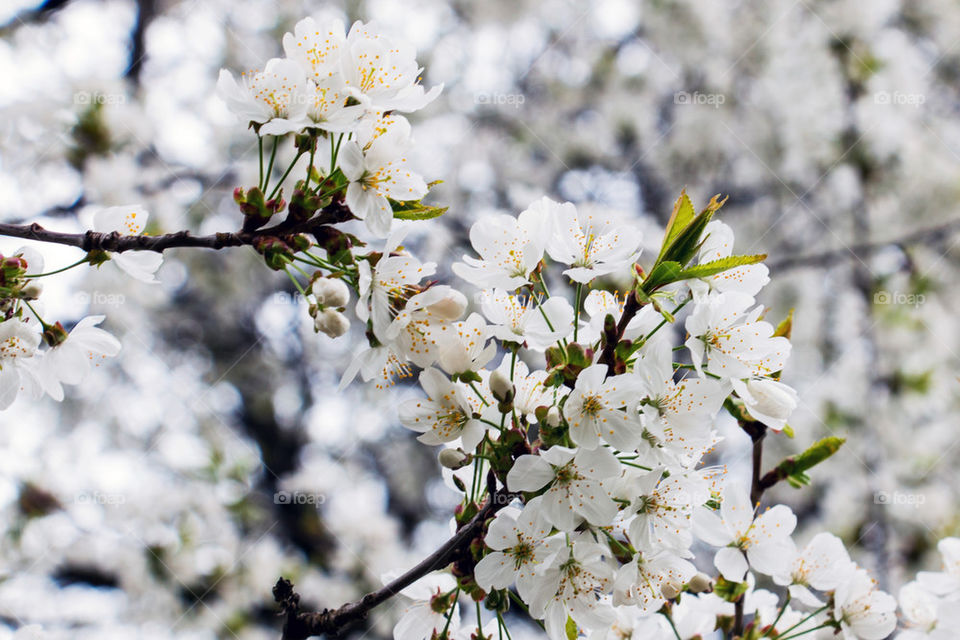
(415, 210)
(729, 591)
(785, 327)
(683, 213)
(684, 244)
(714, 267)
(661, 274)
(794, 468)
(572, 632)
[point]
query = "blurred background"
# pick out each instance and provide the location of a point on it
(157, 501)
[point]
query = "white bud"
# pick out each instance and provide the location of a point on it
(670, 590)
(553, 417)
(500, 385)
(331, 322)
(700, 583)
(450, 307)
(32, 291)
(452, 458)
(330, 292)
(772, 398)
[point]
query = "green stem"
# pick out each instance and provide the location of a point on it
(295, 283)
(273, 156)
(34, 311)
(50, 273)
(817, 612)
(576, 311)
(285, 174)
(260, 150)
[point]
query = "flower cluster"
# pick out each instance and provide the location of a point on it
(576, 422)
(343, 89)
(37, 356)
(596, 429)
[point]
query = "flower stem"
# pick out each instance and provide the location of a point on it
(50, 273)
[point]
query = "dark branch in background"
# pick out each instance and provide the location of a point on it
(300, 625)
(37, 14)
(836, 256)
(146, 10)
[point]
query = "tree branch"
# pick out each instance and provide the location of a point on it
(301, 625)
(835, 256)
(118, 243)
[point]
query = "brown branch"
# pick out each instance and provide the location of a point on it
(118, 243)
(301, 625)
(630, 309)
(864, 249)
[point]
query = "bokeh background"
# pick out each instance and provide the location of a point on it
(153, 502)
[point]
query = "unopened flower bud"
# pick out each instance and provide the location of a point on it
(670, 590)
(501, 386)
(32, 290)
(772, 398)
(453, 458)
(331, 322)
(700, 583)
(54, 335)
(330, 292)
(450, 307)
(553, 417)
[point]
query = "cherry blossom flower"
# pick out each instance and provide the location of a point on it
(379, 171)
(382, 73)
(946, 582)
(862, 610)
(510, 248)
(463, 345)
(389, 282)
(129, 220)
(763, 541)
(662, 509)
(675, 411)
(316, 47)
(68, 362)
(589, 242)
(276, 98)
(928, 617)
(574, 481)
(517, 539)
(521, 320)
(641, 581)
(421, 620)
(822, 565)
(444, 415)
(570, 586)
(596, 409)
(18, 346)
(735, 342)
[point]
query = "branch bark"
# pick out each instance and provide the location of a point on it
(118, 243)
(835, 256)
(300, 625)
